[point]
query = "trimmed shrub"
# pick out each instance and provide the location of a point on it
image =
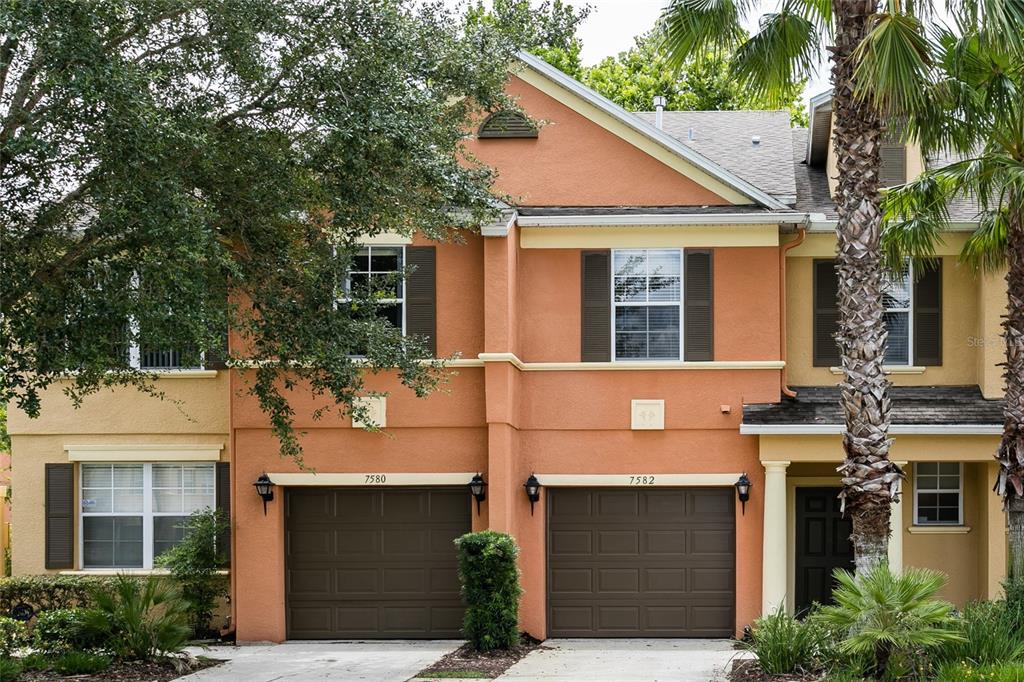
(490, 588)
(138, 620)
(10, 668)
(783, 644)
(62, 630)
(193, 564)
(965, 672)
(46, 592)
(989, 637)
(80, 663)
(12, 635)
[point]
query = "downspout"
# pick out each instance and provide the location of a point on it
(786, 390)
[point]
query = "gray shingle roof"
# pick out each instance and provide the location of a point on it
(812, 194)
(725, 138)
(911, 405)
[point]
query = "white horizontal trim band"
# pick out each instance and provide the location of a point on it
(375, 479)
(938, 530)
(146, 452)
(890, 369)
(660, 219)
(905, 429)
(628, 365)
(640, 479)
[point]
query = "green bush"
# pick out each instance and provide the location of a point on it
(890, 618)
(138, 620)
(1013, 588)
(10, 668)
(12, 635)
(988, 634)
(46, 592)
(490, 588)
(193, 564)
(965, 672)
(63, 630)
(80, 663)
(783, 644)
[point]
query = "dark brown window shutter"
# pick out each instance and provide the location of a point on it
(826, 313)
(421, 294)
(928, 315)
(60, 516)
(596, 296)
(224, 507)
(894, 165)
(698, 307)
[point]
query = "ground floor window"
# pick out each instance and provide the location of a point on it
(131, 513)
(938, 493)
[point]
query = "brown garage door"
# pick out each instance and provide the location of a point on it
(373, 563)
(653, 562)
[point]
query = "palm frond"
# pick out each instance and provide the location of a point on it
(695, 28)
(786, 50)
(893, 64)
(986, 247)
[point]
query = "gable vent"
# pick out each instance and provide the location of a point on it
(507, 124)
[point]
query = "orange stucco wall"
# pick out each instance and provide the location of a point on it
(575, 162)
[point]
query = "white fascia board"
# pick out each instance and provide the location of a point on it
(819, 101)
(663, 219)
(502, 226)
(649, 131)
(895, 429)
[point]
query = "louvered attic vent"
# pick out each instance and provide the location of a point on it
(507, 124)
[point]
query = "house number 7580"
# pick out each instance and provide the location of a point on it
(641, 480)
(376, 478)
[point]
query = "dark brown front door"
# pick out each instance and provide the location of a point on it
(652, 562)
(373, 563)
(822, 545)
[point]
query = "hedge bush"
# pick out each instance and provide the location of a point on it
(12, 635)
(62, 630)
(47, 592)
(490, 588)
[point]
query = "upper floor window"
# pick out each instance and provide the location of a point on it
(647, 298)
(938, 493)
(897, 297)
(379, 271)
(133, 512)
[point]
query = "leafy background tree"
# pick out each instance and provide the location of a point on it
(159, 156)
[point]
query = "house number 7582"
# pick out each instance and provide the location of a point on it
(641, 480)
(376, 478)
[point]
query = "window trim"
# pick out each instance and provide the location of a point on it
(401, 270)
(959, 491)
(147, 512)
(680, 304)
(911, 285)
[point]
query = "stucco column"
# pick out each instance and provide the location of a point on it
(774, 551)
(995, 540)
(896, 529)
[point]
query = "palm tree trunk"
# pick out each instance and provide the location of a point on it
(1010, 483)
(870, 480)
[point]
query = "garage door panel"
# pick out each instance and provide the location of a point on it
(662, 567)
(391, 570)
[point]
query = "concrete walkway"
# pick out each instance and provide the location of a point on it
(384, 661)
(679, 660)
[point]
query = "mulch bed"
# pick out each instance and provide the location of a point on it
(128, 671)
(746, 670)
(487, 665)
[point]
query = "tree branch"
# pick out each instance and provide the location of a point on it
(6, 57)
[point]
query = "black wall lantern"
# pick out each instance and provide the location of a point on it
(478, 489)
(265, 489)
(532, 487)
(743, 491)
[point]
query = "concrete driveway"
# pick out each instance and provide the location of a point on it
(383, 661)
(679, 660)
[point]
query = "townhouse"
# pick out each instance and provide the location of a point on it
(644, 380)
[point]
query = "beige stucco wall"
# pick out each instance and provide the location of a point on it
(972, 303)
(194, 411)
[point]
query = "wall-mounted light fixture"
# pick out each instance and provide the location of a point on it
(265, 489)
(532, 487)
(743, 491)
(478, 489)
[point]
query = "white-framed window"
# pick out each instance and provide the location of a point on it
(898, 299)
(938, 493)
(647, 294)
(133, 512)
(381, 269)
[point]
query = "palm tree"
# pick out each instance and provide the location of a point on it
(975, 110)
(879, 60)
